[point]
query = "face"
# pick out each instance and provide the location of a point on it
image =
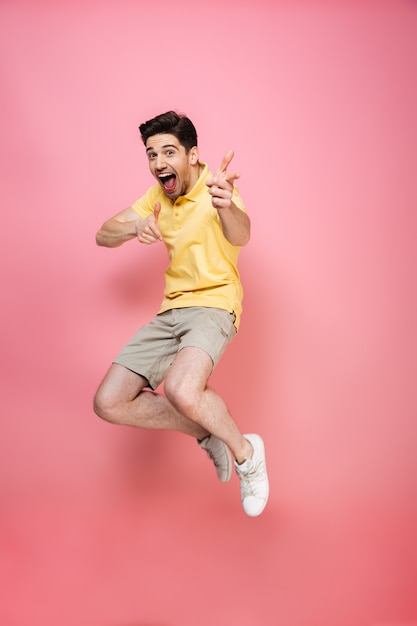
(175, 170)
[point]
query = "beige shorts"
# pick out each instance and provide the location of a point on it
(153, 348)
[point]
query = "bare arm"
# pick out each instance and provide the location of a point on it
(235, 223)
(128, 225)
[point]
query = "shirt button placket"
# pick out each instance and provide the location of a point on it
(178, 212)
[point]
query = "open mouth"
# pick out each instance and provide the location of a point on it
(168, 182)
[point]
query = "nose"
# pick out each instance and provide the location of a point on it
(160, 162)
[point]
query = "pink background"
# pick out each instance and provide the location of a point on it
(105, 526)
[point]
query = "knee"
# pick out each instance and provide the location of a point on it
(104, 408)
(181, 397)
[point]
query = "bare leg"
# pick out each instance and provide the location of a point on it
(120, 399)
(186, 389)
(190, 406)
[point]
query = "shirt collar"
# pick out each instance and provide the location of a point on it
(195, 192)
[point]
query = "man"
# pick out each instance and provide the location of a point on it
(203, 223)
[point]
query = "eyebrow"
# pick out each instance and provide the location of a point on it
(168, 145)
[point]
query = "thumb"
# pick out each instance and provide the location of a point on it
(157, 210)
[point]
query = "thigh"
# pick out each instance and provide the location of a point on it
(209, 329)
(151, 350)
(190, 372)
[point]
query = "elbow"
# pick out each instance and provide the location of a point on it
(104, 240)
(245, 239)
(239, 237)
(239, 242)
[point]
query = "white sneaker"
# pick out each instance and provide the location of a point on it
(254, 485)
(220, 455)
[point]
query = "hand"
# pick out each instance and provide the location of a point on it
(221, 185)
(147, 230)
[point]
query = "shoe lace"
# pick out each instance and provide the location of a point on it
(212, 457)
(252, 481)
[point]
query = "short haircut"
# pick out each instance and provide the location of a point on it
(171, 123)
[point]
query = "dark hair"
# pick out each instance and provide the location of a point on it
(171, 123)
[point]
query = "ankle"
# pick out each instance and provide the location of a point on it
(245, 453)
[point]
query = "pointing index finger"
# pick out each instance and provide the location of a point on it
(226, 161)
(222, 170)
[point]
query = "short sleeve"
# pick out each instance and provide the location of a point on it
(146, 204)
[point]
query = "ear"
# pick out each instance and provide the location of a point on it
(193, 155)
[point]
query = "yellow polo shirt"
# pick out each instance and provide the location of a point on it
(202, 268)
